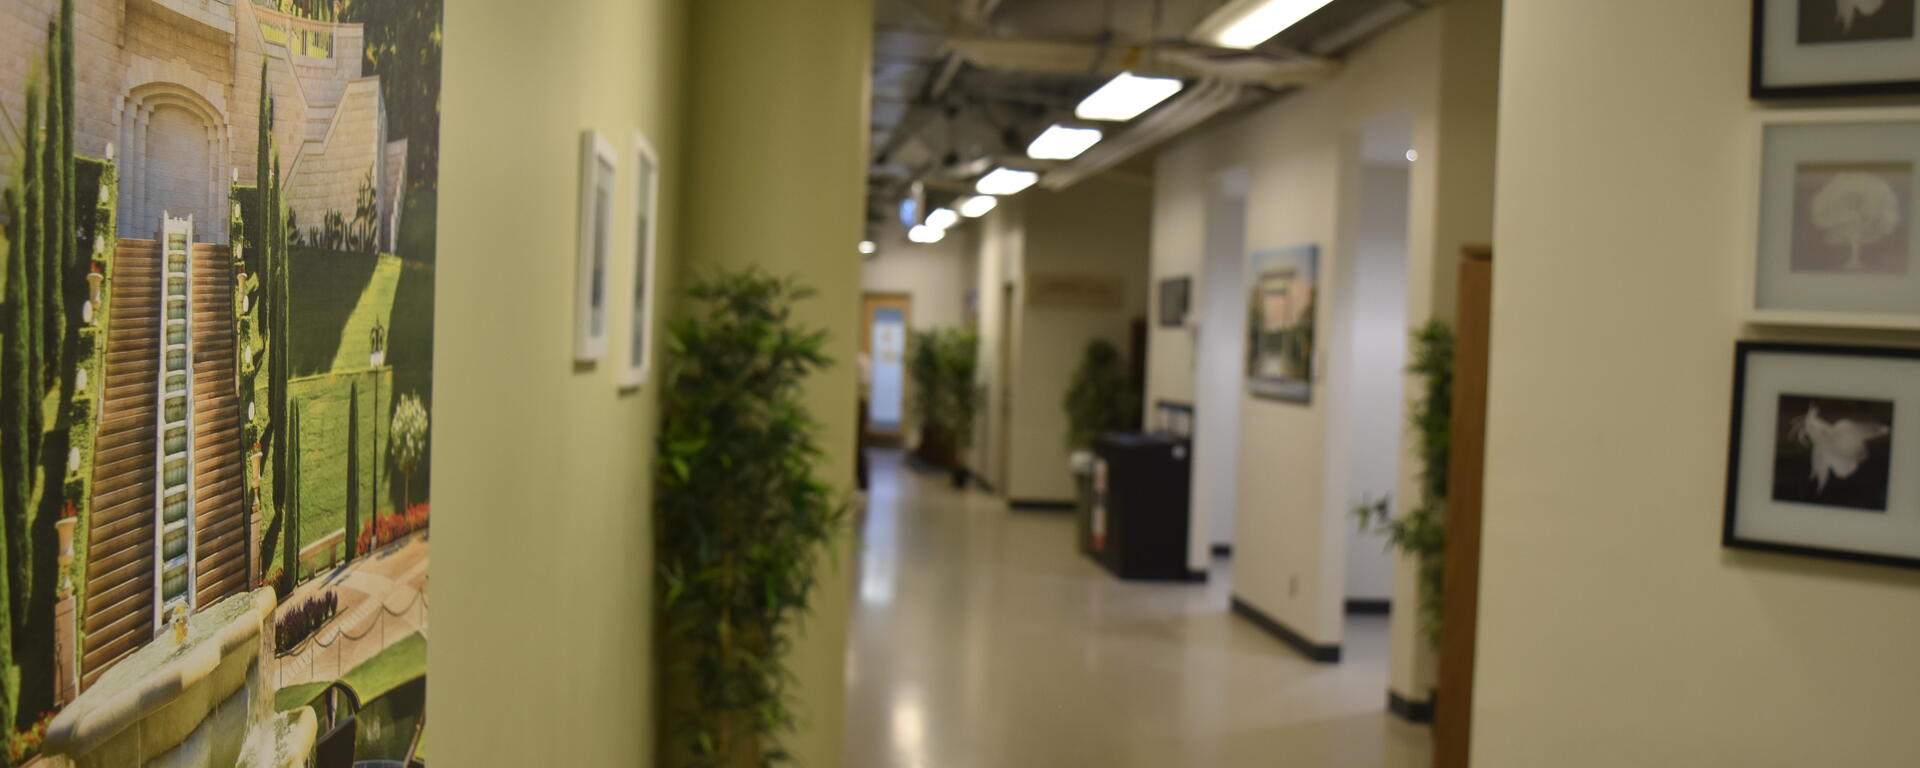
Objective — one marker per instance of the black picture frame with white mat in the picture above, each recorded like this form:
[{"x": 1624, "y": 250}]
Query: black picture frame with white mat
[
  {"x": 599, "y": 167},
  {"x": 1824, "y": 452},
  {"x": 1834, "y": 48},
  {"x": 1835, "y": 220}
]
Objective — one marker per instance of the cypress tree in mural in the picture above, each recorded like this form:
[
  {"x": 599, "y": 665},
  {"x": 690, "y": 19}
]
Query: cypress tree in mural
[
  {"x": 289, "y": 550},
  {"x": 12, "y": 382},
  {"x": 57, "y": 214},
  {"x": 21, "y": 416},
  {"x": 353, "y": 471}
]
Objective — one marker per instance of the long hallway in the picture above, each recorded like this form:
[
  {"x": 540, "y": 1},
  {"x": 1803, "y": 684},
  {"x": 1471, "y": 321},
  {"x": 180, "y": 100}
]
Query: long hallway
[{"x": 981, "y": 638}]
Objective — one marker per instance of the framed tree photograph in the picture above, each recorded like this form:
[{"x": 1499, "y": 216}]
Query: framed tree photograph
[
  {"x": 1833, "y": 226},
  {"x": 1282, "y": 297},
  {"x": 646, "y": 207},
  {"x": 597, "y": 170},
  {"x": 1824, "y": 444},
  {"x": 1817, "y": 48}
]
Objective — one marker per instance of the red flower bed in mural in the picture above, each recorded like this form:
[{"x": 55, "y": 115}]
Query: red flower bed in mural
[{"x": 391, "y": 528}]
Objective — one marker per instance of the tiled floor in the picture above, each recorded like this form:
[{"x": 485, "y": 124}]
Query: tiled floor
[{"x": 983, "y": 639}]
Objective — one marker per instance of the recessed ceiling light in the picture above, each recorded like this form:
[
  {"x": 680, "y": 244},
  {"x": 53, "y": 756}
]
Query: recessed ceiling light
[
  {"x": 868, "y": 247},
  {"x": 1245, "y": 24},
  {"x": 1005, "y": 181},
  {"x": 1059, "y": 142},
  {"x": 1126, "y": 96},
  {"x": 942, "y": 218},
  {"x": 1413, "y": 155},
  {"x": 926, "y": 234},
  {"x": 978, "y": 206}
]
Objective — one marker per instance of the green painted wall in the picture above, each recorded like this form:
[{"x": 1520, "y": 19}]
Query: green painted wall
[{"x": 542, "y": 638}]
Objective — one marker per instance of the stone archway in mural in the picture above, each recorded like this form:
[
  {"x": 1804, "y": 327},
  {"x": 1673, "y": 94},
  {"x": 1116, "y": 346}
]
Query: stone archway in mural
[{"x": 176, "y": 147}]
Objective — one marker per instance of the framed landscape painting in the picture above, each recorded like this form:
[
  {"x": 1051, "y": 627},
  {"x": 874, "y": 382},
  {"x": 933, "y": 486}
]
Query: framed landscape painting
[
  {"x": 216, "y": 494},
  {"x": 1813, "y": 48},
  {"x": 1282, "y": 297},
  {"x": 1835, "y": 241},
  {"x": 1824, "y": 458}
]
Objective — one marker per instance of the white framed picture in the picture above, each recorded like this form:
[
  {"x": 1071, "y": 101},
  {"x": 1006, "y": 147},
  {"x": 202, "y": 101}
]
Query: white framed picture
[
  {"x": 646, "y": 207},
  {"x": 598, "y": 167},
  {"x": 1834, "y": 241}
]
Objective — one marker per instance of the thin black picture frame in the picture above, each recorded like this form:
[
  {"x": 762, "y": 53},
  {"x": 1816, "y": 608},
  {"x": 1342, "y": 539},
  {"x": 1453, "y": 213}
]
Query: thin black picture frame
[
  {"x": 1176, "y": 299},
  {"x": 1729, "y": 537},
  {"x": 1758, "y": 90}
]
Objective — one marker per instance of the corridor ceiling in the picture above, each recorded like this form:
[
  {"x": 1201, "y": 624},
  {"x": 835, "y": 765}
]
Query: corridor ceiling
[{"x": 961, "y": 86}]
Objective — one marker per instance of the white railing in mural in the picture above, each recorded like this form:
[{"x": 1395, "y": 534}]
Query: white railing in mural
[{"x": 174, "y": 544}]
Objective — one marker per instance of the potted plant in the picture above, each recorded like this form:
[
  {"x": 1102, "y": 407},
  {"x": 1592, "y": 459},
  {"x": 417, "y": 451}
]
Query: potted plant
[
  {"x": 743, "y": 514},
  {"x": 1102, "y": 398},
  {"x": 944, "y": 364},
  {"x": 69, "y": 517}
]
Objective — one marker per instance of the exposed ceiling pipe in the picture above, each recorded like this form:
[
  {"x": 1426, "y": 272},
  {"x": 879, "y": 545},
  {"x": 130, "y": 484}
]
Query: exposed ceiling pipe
[
  {"x": 1183, "y": 60},
  {"x": 1195, "y": 106}
]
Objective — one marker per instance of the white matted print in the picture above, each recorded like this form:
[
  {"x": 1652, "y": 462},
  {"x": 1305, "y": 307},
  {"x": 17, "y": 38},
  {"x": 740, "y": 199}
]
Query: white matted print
[
  {"x": 1835, "y": 236},
  {"x": 598, "y": 167},
  {"x": 646, "y": 206},
  {"x": 1824, "y": 443},
  {"x": 1835, "y": 48}
]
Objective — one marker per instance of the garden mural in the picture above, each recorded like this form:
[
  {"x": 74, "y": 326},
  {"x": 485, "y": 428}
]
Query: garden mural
[{"x": 217, "y": 249}]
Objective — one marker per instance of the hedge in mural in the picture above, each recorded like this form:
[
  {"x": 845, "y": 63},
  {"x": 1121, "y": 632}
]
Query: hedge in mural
[{"x": 216, "y": 304}]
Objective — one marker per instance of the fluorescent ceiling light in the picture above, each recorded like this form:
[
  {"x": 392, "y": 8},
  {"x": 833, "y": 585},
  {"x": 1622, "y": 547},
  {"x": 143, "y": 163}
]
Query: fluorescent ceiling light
[
  {"x": 1059, "y": 142},
  {"x": 978, "y": 206},
  {"x": 868, "y": 247},
  {"x": 1248, "y": 23},
  {"x": 1126, "y": 96},
  {"x": 942, "y": 218},
  {"x": 1005, "y": 181},
  {"x": 926, "y": 234}
]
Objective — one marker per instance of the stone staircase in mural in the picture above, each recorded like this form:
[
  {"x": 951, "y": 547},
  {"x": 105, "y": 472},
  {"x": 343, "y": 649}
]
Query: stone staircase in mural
[{"x": 121, "y": 576}]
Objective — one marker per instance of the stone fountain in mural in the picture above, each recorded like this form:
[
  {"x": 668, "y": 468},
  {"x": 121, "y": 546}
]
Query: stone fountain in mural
[{"x": 195, "y": 697}]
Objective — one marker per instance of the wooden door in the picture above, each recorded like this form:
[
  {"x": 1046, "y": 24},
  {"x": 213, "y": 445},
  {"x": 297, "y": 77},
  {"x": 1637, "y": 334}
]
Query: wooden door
[
  {"x": 1460, "y": 598},
  {"x": 886, "y": 320}
]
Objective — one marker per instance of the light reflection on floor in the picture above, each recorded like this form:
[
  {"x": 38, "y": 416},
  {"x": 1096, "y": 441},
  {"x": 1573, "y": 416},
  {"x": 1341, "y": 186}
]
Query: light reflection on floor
[{"x": 981, "y": 638}]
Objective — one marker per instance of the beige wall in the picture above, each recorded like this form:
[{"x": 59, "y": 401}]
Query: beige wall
[
  {"x": 1001, "y": 239},
  {"x": 937, "y": 276},
  {"x": 543, "y": 564},
  {"x": 1614, "y": 630},
  {"x": 1097, "y": 228},
  {"x": 1302, "y": 157}
]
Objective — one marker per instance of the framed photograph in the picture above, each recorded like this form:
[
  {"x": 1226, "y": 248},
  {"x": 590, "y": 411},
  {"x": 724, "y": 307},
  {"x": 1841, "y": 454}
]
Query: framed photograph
[
  {"x": 1175, "y": 297},
  {"x": 1825, "y": 442},
  {"x": 597, "y": 170},
  {"x": 1281, "y": 300},
  {"x": 1813, "y": 48},
  {"x": 646, "y": 207},
  {"x": 1834, "y": 236}
]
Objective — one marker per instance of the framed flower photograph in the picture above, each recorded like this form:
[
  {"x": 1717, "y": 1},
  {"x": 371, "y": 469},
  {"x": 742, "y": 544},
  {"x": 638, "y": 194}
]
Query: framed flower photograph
[
  {"x": 1824, "y": 451},
  {"x": 646, "y": 207},
  {"x": 1816, "y": 48},
  {"x": 598, "y": 166},
  {"x": 1835, "y": 242}
]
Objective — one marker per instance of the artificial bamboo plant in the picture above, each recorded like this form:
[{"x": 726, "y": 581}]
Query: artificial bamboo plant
[
  {"x": 1420, "y": 532},
  {"x": 743, "y": 514}
]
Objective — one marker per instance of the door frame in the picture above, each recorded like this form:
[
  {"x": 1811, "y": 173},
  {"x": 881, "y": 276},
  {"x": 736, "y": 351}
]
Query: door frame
[
  {"x": 871, "y": 302},
  {"x": 1466, "y": 473}
]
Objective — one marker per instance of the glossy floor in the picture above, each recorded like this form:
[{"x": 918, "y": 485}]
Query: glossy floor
[{"x": 983, "y": 639}]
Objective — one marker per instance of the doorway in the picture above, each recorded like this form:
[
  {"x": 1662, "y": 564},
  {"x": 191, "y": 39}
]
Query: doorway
[
  {"x": 1369, "y": 356},
  {"x": 885, "y": 319},
  {"x": 1218, "y": 369}
]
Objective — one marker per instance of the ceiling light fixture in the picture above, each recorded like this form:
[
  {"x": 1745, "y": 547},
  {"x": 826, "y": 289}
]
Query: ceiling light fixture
[
  {"x": 1005, "y": 181},
  {"x": 868, "y": 247},
  {"x": 942, "y": 218},
  {"x": 1245, "y": 24},
  {"x": 1126, "y": 96},
  {"x": 978, "y": 206},
  {"x": 1059, "y": 142},
  {"x": 925, "y": 234},
  {"x": 1413, "y": 155}
]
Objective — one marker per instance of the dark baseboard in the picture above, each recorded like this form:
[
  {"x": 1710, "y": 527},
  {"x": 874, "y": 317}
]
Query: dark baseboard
[
  {"x": 982, "y": 483},
  {"x": 1197, "y": 576},
  {"x": 1325, "y": 654},
  {"x": 1369, "y": 607},
  {"x": 1223, "y": 550},
  {"x": 1420, "y": 712},
  {"x": 1042, "y": 505}
]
